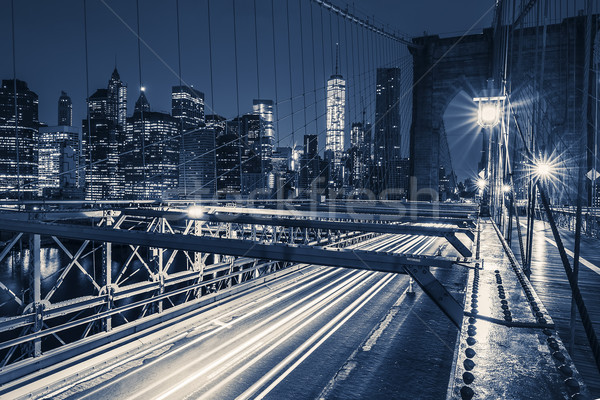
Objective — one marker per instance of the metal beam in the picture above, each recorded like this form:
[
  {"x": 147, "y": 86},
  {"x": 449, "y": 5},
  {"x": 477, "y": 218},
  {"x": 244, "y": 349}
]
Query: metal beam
[
  {"x": 303, "y": 223},
  {"x": 438, "y": 293},
  {"x": 358, "y": 259}
]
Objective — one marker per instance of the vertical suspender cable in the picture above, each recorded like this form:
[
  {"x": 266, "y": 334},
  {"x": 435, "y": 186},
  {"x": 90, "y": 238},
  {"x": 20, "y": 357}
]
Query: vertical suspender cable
[
  {"x": 302, "y": 62},
  {"x": 183, "y": 163},
  {"x": 137, "y": 9},
  {"x": 346, "y": 52},
  {"x": 212, "y": 89},
  {"x": 87, "y": 97},
  {"x": 260, "y": 119},
  {"x": 12, "y": 10},
  {"x": 237, "y": 94},
  {"x": 275, "y": 68},
  {"x": 287, "y": 3},
  {"x": 354, "y": 77},
  {"x": 312, "y": 37}
]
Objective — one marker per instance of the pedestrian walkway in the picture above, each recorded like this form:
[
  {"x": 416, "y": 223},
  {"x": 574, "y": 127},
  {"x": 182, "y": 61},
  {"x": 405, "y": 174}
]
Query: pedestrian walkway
[
  {"x": 549, "y": 279},
  {"x": 508, "y": 347}
]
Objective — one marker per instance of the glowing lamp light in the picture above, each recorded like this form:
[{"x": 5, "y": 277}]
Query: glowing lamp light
[
  {"x": 506, "y": 188},
  {"x": 489, "y": 110},
  {"x": 195, "y": 212},
  {"x": 481, "y": 183},
  {"x": 143, "y": 88},
  {"x": 489, "y": 114},
  {"x": 543, "y": 170},
  {"x": 546, "y": 168}
]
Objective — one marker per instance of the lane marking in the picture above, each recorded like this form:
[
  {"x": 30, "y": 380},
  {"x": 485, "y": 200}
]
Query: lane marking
[
  {"x": 221, "y": 323},
  {"x": 307, "y": 309},
  {"x": 383, "y": 281},
  {"x": 306, "y": 282},
  {"x": 314, "y": 347},
  {"x": 284, "y": 311}
]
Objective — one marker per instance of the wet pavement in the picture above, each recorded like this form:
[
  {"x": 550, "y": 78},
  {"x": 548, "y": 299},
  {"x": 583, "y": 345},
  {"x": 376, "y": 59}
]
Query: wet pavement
[
  {"x": 508, "y": 347},
  {"x": 549, "y": 279}
]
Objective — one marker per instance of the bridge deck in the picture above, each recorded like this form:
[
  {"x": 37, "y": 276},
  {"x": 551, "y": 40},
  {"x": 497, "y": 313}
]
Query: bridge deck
[
  {"x": 550, "y": 282},
  {"x": 499, "y": 357}
]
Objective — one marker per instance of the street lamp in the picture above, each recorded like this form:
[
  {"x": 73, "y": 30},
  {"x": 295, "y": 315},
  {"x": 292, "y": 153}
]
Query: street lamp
[
  {"x": 481, "y": 183},
  {"x": 506, "y": 188},
  {"x": 545, "y": 169},
  {"x": 489, "y": 110}
]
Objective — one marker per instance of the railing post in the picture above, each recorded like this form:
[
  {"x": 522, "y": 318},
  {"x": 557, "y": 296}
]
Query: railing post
[
  {"x": 37, "y": 294},
  {"x": 161, "y": 278},
  {"x": 107, "y": 274}
]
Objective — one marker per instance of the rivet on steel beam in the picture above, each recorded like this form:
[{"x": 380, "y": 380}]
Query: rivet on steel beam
[
  {"x": 559, "y": 356},
  {"x": 469, "y": 364},
  {"x": 468, "y": 378},
  {"x": 572, "y": 384},
  {"x": 565, "y": 370},
  {"x": 466, "y": 393}
]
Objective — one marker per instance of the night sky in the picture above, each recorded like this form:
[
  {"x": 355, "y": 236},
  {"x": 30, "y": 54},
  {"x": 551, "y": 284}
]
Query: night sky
[{"x": 50, "y": 55}]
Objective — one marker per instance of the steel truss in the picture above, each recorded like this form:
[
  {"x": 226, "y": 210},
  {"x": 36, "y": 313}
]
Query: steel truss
[{"x": 159, "y": 259}]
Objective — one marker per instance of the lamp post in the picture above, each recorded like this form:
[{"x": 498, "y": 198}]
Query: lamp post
[{"x": 490, "y": 113}]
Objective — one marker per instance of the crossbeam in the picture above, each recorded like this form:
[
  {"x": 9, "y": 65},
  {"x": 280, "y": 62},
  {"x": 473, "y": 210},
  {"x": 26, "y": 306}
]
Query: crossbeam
[
  {"x": 357, "y": 259},
  {"x": 241, "y": 218}
]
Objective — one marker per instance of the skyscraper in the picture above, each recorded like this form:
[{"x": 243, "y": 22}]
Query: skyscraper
[
  {"x": 65, "y": 110},
  {"x": 197, "y": 176},
  {"x": 228, "y": 152},
  {"x": 264, "y": 108},
  {"x": 358, "y": 155},
  {"x": 150, "y": 157},
  {"x": 312, "y": 172},
  {"x": 104, "y": 138},
  {"x": 117, "y": 100},
  {"x": 59, "y": 162},
  {"x": 18, "y": 141},
  {"x": 187, "y": 105},
  {"x": 387, "y": 138},
  {"x": 196, "y": 156},
  {"x": 247, "y": 129},
  {"x": 336, "y": 116}
]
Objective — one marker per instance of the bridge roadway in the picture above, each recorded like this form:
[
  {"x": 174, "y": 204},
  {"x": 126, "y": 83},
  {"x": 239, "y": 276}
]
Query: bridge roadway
[{"x": 317, "y": 333}]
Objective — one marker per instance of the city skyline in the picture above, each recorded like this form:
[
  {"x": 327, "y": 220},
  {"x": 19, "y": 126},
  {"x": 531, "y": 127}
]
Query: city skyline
[{"x": 112, "y": 42}]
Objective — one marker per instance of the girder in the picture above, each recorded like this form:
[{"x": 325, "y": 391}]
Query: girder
[{"x": 360, "y": 259}]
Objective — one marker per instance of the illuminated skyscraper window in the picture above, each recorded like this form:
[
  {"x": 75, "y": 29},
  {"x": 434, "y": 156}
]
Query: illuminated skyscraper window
[
  {"x": 65, "y": 110},
  {"x": 18, "y": 178}
]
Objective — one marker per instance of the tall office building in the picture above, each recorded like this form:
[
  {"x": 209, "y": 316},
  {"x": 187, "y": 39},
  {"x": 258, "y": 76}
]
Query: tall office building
[
  {"x": 336, "y": 116},
  {"x": 187, "y": 105},
  {"x": 18, "y": 170},
  {"x": 264, "y": 109},
  {"x": 149, "y": 163},
  {"x": 197, "y": 153},
  {"x": 387, "y": 138},
  {"x": 358, "y": 155},
  {"x": 253, "y": 167},
  {"x": 197, "y": 175},
  {"x": 228, "y": 153},
  {"x": 60, "y": 162},
  {"x": 117, "y": 100},
  {"x": 104, "y": 137},
  {"x": 312, "y": 175},
  {"x": 65, "y": 110}
]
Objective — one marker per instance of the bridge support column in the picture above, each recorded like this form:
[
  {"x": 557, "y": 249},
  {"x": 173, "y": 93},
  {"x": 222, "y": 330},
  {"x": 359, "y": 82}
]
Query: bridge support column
[{"x": 37, "y": 293}]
